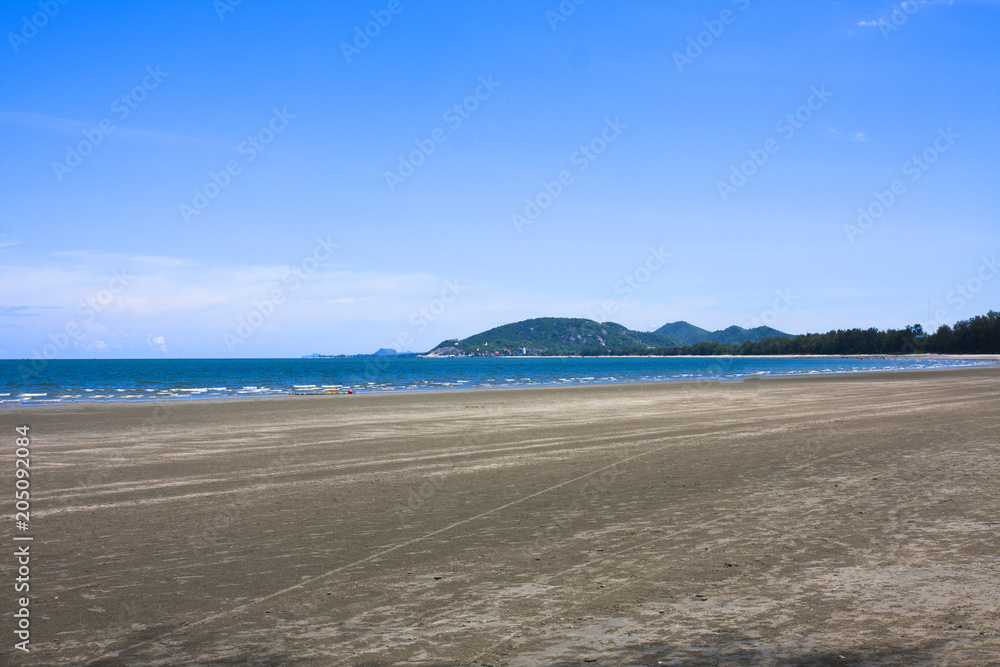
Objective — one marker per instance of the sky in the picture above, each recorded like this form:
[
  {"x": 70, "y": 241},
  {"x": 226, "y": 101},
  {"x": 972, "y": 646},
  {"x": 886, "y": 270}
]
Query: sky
[{"x": 256, "y": 178}]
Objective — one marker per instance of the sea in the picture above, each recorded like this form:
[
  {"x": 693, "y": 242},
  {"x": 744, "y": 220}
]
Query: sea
[{"x": 42, "y": 382}]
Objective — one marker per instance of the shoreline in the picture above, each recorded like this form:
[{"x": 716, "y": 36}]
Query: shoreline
[
  {"x": 682, "y": 382},
  {"x": 927, "y": 355}
]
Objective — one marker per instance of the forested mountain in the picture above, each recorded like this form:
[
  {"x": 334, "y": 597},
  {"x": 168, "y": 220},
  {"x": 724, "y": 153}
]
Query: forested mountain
[
  {"x": 576, "y": 336},
  {"x": 564, "y": 335},
  {"x": 552, "y": 336},
  {"x": 977, "y": 335},
  {"x": 689, "y": 334}
]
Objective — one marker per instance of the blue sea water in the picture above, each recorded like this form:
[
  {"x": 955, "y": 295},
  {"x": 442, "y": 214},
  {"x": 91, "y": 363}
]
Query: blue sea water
[{"x": 59, "y": 381}]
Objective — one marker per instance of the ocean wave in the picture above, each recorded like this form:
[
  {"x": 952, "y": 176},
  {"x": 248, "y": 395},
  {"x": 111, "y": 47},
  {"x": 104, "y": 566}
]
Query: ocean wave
[{"x": 415, "y": 375}]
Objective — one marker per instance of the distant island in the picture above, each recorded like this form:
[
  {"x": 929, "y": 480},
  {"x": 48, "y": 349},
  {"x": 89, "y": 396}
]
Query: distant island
[
  {"x": 550, "y": 336},
  {"x": 381, "y": 352}
]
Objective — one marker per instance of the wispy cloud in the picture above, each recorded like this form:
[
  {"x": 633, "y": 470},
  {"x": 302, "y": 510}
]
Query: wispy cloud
[
  {"x": 58, "y": 125},
  {"x": 42, "y": 122},
  {"x": 158, "y": 342},
  {"x": 98, "y": 304},
  {"x": 17, "y": 311},
  {"x": 176, "y": 287},
  {"x": 150, "y": 262},
  {"x": 859, "y": 136},
  {"x": 911, "y": 6}
]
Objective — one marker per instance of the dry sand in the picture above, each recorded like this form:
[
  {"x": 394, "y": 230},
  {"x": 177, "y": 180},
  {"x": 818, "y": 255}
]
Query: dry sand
[{"x": 832, "y": 521}]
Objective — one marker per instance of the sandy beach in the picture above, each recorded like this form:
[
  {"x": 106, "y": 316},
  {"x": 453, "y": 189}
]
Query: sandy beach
[{"x": 837, "y": 520}]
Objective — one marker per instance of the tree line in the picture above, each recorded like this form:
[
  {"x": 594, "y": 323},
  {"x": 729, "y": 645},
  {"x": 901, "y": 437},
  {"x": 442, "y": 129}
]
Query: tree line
[{"x": 976, "y": 335}]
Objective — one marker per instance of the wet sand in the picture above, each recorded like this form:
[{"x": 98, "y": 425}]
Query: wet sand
[{"x": 846, "y": 520}]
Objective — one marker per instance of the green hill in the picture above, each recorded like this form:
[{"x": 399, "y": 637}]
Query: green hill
[
  {"x": 552, "y": 336},
  {"x": 736, "y": 335},
  {"x": 574, "y": 336},
  {"x": 689, "y": 334}
]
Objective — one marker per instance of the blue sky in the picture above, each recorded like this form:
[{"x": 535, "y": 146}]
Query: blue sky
[{"x": 217, "y": 179}]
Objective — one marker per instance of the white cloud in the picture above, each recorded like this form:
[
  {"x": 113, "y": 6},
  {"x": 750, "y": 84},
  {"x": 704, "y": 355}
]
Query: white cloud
[
  {"x": 860, "y": 135},
  {"x": 145, "y": 285},
  {"x": 157, "y": 341},
  {"x": 910, "y": 7},
  {"x": 104, "y": 297}
]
